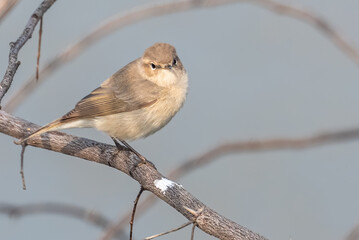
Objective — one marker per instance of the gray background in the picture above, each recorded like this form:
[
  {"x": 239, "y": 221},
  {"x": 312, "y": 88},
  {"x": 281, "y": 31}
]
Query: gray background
[{"x": 253, "y": 75}]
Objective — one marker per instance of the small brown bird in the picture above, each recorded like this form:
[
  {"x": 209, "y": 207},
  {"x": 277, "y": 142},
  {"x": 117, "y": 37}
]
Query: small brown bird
[{"x": 135, "y": 102}]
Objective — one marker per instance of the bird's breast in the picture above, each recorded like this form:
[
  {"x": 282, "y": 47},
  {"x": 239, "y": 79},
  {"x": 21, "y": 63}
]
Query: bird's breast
[{"x": 145, "y": 121}]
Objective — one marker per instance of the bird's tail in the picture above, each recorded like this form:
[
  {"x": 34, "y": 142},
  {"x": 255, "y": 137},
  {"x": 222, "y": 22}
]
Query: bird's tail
[{"x": 55, "y": 125}]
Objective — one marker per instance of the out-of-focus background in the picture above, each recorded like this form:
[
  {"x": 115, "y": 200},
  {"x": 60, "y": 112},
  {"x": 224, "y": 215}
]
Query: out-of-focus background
[{"x": 253, "y": 75}]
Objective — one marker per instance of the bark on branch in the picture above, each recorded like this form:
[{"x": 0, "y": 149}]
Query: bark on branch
[
  {"x": 253, "y": 146},
  {"x": 173, "y": 194}
]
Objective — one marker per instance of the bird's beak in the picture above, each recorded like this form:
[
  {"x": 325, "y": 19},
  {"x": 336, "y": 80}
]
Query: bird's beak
[{"x": 172, "y": 70}]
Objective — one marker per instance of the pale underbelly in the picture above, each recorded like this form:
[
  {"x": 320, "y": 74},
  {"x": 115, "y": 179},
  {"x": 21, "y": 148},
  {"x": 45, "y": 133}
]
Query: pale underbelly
[{"x": 136, "y": 124}]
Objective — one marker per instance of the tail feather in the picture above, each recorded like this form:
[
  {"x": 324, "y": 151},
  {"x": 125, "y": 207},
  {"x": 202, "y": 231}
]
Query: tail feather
[{"x": 55, "y": 125}]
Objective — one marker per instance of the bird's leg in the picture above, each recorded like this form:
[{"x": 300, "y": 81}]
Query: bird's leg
[
  {"x": 128, "y": 146},
  {"x": 134, "y": 151},
  {"x": 118, "y": 145}
]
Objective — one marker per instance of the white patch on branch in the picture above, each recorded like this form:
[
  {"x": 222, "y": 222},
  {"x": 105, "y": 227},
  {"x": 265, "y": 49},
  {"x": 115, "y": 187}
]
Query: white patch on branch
[{"x": 163, "y": 184}]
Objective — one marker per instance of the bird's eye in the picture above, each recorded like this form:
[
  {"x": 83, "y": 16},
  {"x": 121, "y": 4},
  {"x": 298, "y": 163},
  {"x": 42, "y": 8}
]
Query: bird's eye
[
  {"x": 174, "y": 63},
  {"x": 153, "y": 66}
]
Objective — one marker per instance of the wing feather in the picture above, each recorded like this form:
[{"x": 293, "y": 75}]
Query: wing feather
[{"x": 120, "y": 93}]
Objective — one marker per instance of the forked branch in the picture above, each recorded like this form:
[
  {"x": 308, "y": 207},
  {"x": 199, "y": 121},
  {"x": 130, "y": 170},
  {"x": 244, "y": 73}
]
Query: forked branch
[
  {"x": 148, "y": 177},
  {"x": 16, "y": 46}
]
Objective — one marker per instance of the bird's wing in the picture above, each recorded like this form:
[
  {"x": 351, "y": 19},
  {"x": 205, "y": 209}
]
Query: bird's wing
[{"x": 111, "y": 99}]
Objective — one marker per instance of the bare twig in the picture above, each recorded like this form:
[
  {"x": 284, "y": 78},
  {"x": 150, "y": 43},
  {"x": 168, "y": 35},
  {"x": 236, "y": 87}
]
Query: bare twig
[
  {"x": 239, "y": 147},
  {"x": 39, "y": 50},
  {"x": 6, "y": 6},
  {"x": 193, "y": 228},
  {"x": 128, "y": 162},
  {"x": 15, "y": 47},
  {"x": 57, "y": 208},
  {"x": 134, "y": 211},
  {"x": 138, "y": 14},
  {"x": 22, "y": 166},
  {"x": 123, "y": 221},
  {"x": 170, "y": 231},
  {"x": 196, "y": 215}
]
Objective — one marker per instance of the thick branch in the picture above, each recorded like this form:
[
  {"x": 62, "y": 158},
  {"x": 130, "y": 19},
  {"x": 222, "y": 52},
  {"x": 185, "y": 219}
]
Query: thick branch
[
  {"x": 16, "y": 46},
  {"x": 127, "y": 162},
  {"x": 138, "y": 14},
  {"x": 239, "y": 147}
]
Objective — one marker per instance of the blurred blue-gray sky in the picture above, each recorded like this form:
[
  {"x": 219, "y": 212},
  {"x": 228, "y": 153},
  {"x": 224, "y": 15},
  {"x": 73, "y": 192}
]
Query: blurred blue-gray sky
[{"x": 253, "y": 74}]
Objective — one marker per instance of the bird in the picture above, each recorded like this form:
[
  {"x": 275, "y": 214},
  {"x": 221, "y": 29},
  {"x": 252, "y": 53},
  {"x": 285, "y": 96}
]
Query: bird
[{"x": 135, "y": 102}]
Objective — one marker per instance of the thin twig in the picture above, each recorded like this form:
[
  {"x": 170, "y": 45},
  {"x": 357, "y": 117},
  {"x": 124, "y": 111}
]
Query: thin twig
[
  {"x": 170, "y": 231},
  {"x": 39, "y": 50},
  {"x": 15, "y": 47},
  {"x": 23, "y": 147},
  {"x": 138, "y": 14},
  {"x": 123, "y": 221},
  {"x": 134, "y": 211},
  {"x": 196, "y": 214},
  {"x": 192, "y": 232}
]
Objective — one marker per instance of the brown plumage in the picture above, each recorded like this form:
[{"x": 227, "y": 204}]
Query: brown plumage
[{"x": 135, "y": 102}]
